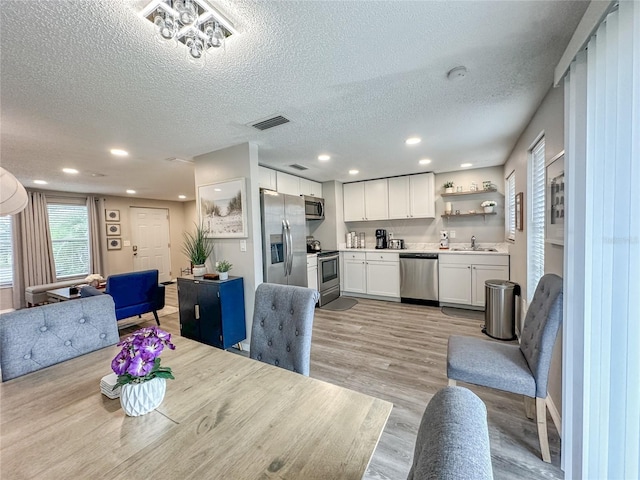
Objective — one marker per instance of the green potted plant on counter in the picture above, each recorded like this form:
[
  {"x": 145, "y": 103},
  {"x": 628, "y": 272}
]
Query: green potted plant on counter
[
  {"x": 198, "y": 248},
  {"x": 223, "y": 267}
]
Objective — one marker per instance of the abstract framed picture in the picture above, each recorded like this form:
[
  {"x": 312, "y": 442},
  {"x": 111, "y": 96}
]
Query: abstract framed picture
[
  {"x": 114, "y": 244},
  {"x": 222, "y": 208},
  {"x": 555, "y": 201},
  {"x": 112, "y": 215},
  {"x": 113, "y": 229}
]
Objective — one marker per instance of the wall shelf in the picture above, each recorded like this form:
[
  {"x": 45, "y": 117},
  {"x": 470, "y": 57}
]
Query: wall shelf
[
  {"x": 458, "y": 194},
  {"x": 481, "y": 214}
]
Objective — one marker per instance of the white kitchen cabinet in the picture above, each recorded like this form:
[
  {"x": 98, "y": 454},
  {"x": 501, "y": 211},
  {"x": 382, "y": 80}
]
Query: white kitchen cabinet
[
  {"x": 366, "y": 200},
  {"x": 310, "y": 188},
  {"x": 354, "y": 272},
  {"x": 462, "y": 276},
  {"x": 312, "y": 272},
  {"x": 412, "y": 196},
  {"x": 267, "y": 178},
  {"x": 288, "y": 184},
  {"x": 371, "y": 273}
]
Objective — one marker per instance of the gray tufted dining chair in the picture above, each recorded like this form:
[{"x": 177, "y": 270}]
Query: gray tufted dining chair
[
  {"x": 521, "y": 369},
  {"x": 282, "y": 325}
]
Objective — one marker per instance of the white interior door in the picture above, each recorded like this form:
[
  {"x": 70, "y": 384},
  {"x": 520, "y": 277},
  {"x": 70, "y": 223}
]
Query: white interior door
[{"x": 150, "y": 241}]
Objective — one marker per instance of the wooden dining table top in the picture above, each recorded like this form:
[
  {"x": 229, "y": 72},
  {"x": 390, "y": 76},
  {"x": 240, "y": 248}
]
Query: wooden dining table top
[{"x": 224, "y": 416}]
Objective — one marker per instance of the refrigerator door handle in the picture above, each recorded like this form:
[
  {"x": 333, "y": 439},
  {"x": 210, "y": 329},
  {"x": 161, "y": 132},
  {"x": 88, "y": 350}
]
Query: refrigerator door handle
[
  {"x": 290, "y": 249},
  {"x": 285, "y": 238}
]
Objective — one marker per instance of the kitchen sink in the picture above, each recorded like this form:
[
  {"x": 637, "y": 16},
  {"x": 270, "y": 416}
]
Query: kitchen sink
[{"x": 469, "y": 249}]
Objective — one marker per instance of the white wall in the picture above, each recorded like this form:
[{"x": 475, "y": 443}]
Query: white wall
[
  {"x": 227, "y": 164},
  {"x": 549, "y": 118},
  {"x": 331, "y": 231}
]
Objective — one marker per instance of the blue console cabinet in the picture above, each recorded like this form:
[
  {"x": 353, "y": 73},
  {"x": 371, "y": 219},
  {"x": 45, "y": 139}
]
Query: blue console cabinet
[{"x": 212, "y": 311}]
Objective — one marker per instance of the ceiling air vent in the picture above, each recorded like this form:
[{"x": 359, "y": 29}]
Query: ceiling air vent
[
  {"x": 297, "y": 166},
  {"x": 270, "y": 122}
]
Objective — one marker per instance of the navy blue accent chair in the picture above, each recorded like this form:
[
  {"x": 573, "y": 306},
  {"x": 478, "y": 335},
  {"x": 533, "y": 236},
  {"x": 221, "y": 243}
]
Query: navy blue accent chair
[{"x": 136, "y": 293}]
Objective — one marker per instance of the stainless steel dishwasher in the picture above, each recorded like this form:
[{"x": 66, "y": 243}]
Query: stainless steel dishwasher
[{"x": 419, "y": 278}]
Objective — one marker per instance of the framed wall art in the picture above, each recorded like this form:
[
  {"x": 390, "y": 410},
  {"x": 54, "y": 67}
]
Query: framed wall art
[
  {"x": 113, "y": 229},
  {"x": 112, "y": 215},
  {"x": 555, "y": 201},
  {"x": 114, "y": 244},
  {"x": 519, "y": 214},
  {"x": 222, "y": 208}
]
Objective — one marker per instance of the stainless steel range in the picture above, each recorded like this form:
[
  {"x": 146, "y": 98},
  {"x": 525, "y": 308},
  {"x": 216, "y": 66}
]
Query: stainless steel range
[{"x": 328, "y": 276}]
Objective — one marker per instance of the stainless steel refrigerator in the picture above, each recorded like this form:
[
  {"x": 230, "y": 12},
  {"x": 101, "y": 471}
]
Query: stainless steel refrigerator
[{"x": 284, "y": 247}]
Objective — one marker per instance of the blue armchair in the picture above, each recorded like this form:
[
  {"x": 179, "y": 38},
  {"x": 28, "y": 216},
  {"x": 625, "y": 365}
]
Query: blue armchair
[{"x": 136, "y": 293}]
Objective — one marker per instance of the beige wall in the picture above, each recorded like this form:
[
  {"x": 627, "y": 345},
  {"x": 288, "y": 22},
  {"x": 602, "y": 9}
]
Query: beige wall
[{"x": 549, "y": 118}]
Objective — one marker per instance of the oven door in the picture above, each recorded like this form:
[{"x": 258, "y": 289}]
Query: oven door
[{"x": 328, "y": 272}]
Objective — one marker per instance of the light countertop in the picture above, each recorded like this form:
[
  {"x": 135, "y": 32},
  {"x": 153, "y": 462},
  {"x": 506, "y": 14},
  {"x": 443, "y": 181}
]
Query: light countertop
[{"x": 502, "y": 249}]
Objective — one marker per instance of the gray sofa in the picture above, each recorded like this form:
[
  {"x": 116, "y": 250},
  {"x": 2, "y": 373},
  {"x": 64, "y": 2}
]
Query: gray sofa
[
  {"x": 453, "y": 438},
  {"x": 35, "y": 338}
]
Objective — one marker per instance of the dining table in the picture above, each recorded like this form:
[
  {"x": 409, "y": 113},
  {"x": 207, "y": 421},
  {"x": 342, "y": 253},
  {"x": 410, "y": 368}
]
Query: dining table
[{"x": 223, "y": 416}]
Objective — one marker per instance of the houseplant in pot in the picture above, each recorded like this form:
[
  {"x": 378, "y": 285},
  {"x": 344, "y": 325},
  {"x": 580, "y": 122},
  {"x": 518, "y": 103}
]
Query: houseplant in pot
[
  {"x": 142, "y": 378},
  {"x": 223, "y": 267},
  {"x": 197, "y": 247},
  {"x": 448, "y": 187},
  {"x": 488, "y": 206}
]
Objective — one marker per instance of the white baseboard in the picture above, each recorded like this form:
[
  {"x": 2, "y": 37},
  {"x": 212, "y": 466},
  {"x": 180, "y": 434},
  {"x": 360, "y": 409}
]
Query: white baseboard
[{"x": 555, "y": 415}]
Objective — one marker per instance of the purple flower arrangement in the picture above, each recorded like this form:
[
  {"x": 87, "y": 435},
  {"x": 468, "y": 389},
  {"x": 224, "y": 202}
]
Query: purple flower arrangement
[{"x": 139, "y": 359}]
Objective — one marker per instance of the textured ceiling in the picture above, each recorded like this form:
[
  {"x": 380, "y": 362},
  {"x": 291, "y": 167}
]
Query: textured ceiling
[{"x": 79, "y": 77}]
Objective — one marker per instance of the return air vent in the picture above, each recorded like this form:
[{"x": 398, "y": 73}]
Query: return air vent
[
  {"x": 270, "y": 122},
  {"x": 297, "y": 166}
]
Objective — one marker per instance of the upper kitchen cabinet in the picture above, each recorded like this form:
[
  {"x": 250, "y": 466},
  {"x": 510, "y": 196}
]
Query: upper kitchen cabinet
[
  {"x": 267, "y": 178},
  {"x": 366, "y": 200},
  {"x": 412, "y": 196},
  {"x": 292, "y": 185},
  {"x": 310, "y": 188}
]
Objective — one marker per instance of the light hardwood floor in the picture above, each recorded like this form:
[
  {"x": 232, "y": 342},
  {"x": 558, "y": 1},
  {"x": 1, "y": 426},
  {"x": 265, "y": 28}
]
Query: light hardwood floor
[{"x": 397, "y": 352}]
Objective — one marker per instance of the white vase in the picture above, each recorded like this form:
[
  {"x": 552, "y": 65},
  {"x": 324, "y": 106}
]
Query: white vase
[
  {"x": 448, "y": 190},
  {"x": 488, "y": 209},
  {"x": 224, "y": 275},
  {"x": 199, "y": 270},
  {"x": 140, "y": 398}
]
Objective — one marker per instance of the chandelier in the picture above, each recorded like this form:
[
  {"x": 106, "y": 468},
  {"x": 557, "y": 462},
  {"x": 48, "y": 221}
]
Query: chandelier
[{"x": 191, "y": 22}]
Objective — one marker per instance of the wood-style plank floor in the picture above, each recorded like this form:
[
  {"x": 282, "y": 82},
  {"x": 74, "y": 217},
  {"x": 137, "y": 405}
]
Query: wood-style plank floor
[{"x": 397, "y": 352}]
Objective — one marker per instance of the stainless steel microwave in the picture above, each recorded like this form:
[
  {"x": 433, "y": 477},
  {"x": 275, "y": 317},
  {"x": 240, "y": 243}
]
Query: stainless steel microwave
[{"x": 313, "y": 208}]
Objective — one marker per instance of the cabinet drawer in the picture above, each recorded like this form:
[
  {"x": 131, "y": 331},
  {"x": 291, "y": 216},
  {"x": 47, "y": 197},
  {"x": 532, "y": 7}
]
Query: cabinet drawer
[
  {"x": 473, "y": 259},
  {"x": 354, "y": 255},
  {"x": 312, "y": 261},
  {"x": 383, "y": 256}
]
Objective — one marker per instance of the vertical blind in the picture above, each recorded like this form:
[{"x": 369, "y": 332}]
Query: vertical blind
[
  {"x": 69, "y": 228},
  {"x": 6, "y": 255},
  {"x": 510, "y": 207},
  {"x": 535, "y": 232}
]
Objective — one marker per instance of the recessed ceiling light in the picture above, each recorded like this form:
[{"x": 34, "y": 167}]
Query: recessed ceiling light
[
  {"x": 413, "y": 140},
  {"x": 457, "y": 73},
  {"x": 354, "y": 172},
  {"x": 424, "y": 161},
  {"x": 466, "y": 165},
  {"x": 217, "y": 189},
  {"x": 324, "y": 158},
  {"x": 72, "y": 171},
  {"x": 119, "y": 153},
  {"x": 182, "y": 197},
  {"x": 131, "y": 192},
  {"x": 40, "y": 182}
]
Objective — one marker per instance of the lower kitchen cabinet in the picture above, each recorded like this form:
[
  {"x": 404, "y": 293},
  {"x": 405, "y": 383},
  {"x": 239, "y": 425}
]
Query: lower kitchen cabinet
[
  {"x": 312, "y": 272},
  {"x": 212, "y": 311},
  {"x": 462, "y": 277},
  {"x": 371, "y": 273}
]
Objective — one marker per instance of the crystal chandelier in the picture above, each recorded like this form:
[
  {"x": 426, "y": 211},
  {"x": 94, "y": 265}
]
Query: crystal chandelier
[{"x": 191, "y": 22}]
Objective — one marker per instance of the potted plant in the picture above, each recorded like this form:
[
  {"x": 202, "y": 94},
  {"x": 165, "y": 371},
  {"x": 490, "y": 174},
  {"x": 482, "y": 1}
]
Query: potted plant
[
  {"x": 198, "y": 248},
  {"x": 223, "y": 267},
  {"x": 142, "y": 378},
  {"x": 488, "y": 206},
  {"x": 448, "y": 187}
]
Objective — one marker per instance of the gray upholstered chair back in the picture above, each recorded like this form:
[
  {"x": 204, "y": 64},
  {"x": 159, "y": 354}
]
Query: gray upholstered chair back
[
  {"x": 282, "y": 326},
  {"x": 540, "y": 329},
  {"x": 35, "y": 338},
  {"x": 453, "y": 438}
]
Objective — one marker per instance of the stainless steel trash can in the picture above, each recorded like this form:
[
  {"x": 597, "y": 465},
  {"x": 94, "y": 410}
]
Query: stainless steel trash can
[{"x": 500, "y": 308}]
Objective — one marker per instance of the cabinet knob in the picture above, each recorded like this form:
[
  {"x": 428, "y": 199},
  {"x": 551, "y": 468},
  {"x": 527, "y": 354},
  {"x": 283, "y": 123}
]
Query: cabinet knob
[{"x": 469, "y": 266}]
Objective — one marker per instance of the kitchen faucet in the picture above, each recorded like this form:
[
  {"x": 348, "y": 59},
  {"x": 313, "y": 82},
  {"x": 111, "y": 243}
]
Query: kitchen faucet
[{"x": 473, "y": 242}]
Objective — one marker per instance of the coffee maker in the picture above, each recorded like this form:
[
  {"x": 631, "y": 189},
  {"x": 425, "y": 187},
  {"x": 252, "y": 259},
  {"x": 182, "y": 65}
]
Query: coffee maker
[{"x": 381, "y": 238}]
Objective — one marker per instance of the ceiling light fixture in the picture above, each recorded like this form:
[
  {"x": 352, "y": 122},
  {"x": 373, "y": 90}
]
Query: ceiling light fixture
[
  {"x": 71, "y": 171},
  {"x": 457, "y": 73},
  {"x": 194, "y": 23},
  {"x": 182, "y": 197},
  {"x": 354, "y": 172},
  {"x": 131, "y": 192},
  {"x": 324, "y": 158},
  {"x": 119, "y": 153},
  {"x": 466, "y": 165},
  {"x": 424, "y": 161},
  {"x": 413, "y": 140},
  {"x": 40, "y": 182}
]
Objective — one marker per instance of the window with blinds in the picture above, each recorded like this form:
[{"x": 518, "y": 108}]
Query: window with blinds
[
  {"x": 6, "y": 252},
  {"x": 535, "y": 215},
  {"x": 69, "y": 226},
  {"x": 510, "y": 207}
]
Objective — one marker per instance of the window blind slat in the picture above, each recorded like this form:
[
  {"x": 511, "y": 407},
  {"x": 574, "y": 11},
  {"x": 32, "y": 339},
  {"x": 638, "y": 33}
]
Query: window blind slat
[
  {"x": 69, "y": 227},
  {"x": 535, "y": 235}
]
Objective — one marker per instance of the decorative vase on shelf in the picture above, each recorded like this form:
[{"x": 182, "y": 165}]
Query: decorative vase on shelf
[
  {"x": 448, "y": 190},
  {"x": 224, "y": 275},
  {"x": 199, "y": 270},
  {"x": 488, "y": 209},
  {"x": 141, "y": 398}
]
